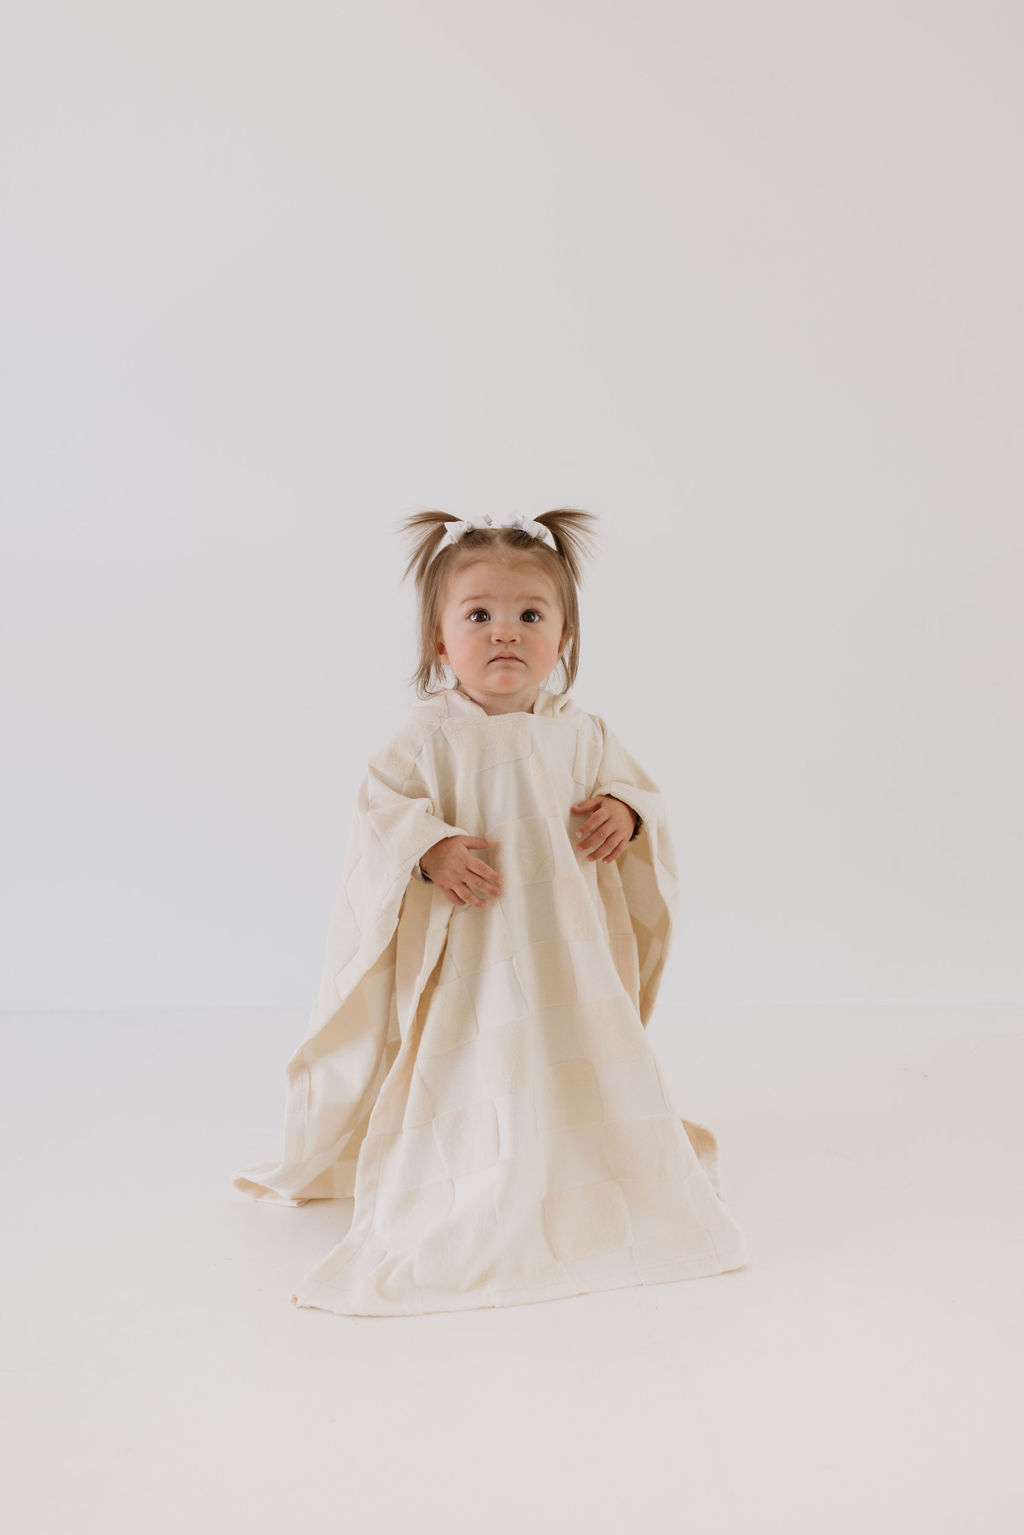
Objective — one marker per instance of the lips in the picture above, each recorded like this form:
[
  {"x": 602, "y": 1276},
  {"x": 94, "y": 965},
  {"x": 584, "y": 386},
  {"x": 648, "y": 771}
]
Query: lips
[{"x": 504, "y": 658}]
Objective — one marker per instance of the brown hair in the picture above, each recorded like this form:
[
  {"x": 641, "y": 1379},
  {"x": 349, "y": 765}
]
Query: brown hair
[{"x": 434, "y": 565}]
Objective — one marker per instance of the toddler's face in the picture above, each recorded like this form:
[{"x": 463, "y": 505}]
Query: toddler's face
[{"x": 490, "y": 609}]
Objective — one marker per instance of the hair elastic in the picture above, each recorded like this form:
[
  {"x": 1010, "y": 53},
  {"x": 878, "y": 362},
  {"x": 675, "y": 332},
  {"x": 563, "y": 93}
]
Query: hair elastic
[{"x": 453, "y": 531}]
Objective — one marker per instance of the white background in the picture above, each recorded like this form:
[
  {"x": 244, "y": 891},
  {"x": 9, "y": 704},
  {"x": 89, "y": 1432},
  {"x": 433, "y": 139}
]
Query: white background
[{"x": 741, "y": 279}]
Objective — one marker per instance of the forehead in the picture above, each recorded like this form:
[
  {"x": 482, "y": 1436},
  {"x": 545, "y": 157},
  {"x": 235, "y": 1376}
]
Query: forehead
[{"x": 490, "y": 580}]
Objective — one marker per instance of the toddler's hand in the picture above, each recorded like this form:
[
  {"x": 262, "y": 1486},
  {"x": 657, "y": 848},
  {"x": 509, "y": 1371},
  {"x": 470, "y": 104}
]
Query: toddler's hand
[
  {"x": 453, "y": 869},
  {"x": 608, "y": 830}
]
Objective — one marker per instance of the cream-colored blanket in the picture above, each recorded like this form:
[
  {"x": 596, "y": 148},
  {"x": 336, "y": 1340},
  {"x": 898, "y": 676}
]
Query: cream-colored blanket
[{"x": 480, "y": 1078}]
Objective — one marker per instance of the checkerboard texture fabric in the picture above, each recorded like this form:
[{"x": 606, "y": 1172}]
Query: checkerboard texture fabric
[{"x": 479, "y": 1081}]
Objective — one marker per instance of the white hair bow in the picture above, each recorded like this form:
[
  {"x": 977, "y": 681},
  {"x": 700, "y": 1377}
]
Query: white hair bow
[{"x": 453, "y": 531}]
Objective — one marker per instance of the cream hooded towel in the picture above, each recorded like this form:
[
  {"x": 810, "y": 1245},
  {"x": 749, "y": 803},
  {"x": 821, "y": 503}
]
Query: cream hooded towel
[{"x": 480, "y": 1078}]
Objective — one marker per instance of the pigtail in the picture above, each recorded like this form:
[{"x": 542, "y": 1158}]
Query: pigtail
[
  {"x": 426, "y": 533},
  {"x": 572, "y": 529}
]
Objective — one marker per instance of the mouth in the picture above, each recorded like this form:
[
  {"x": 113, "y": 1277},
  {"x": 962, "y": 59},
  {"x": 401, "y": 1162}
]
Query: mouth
[{"x": 504, "y": 658}]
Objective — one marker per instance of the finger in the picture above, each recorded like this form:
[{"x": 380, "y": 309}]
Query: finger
[
  {"x": 616, "y": 850},
  {"x": 471, "y": 898},
  {"x": 586, "y": 834},
  {"x": 483, "y": 874},
  {"x": 602, "y": 847}
]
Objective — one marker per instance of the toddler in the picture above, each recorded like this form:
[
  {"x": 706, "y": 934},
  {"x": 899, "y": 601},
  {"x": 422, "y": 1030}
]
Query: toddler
[{"x": 476, "y": 1075}]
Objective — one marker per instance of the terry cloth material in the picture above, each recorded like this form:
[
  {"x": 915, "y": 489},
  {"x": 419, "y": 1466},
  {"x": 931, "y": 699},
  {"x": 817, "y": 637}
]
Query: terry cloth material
[{"x": 478, "y": 1080}]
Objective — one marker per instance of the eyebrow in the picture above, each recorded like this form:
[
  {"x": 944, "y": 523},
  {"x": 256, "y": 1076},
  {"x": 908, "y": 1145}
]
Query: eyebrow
[{"x": 489, "y": 597}]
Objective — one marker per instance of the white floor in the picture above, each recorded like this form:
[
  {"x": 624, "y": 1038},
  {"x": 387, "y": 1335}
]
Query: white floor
[{"x": 862, "y": 1373}]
